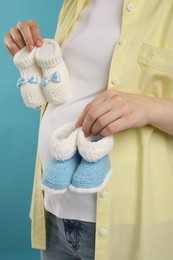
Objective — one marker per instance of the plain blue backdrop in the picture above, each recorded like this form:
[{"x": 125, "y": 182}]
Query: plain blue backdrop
[{"x": 18, "y": 133}]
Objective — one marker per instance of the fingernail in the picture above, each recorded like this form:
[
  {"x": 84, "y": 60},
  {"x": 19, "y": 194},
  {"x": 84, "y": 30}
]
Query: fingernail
[
  {"x": 31, "y": 47},
  {"x": 38, "y": 43},
  {"x": 86, "y": 134}
]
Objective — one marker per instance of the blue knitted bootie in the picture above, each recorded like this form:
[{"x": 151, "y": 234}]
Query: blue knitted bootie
[
  {"x": 65, "y": 159},
  {"x": 94, "y": 169}
]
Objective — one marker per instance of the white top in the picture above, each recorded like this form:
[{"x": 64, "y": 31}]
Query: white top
[{"x": 87, "y": 53}]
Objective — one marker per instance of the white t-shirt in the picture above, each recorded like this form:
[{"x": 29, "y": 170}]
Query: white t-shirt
[{"x": 87, "y": 53}]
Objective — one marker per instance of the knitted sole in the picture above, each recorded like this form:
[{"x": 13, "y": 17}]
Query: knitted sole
[
  {"x": 52, "y": 191},
  {"x": 91, "y": 190}
]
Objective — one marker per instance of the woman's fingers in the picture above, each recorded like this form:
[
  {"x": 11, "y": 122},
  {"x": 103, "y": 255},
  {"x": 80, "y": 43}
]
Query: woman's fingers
[
  {"x": 17, "y": 37},
  {"x": 11, "y": 46},
  {"x": 114, "y": 111},
  {"x": 25, "y": 33},
  {"x": 35, "y": 31},
  {"x": 98, "y": 100}
]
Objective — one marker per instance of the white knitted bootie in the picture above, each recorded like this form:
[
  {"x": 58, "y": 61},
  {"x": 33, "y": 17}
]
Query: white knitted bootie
[
  {"x": 55, "y": 80},
  {"x": 30, "y": 81}
]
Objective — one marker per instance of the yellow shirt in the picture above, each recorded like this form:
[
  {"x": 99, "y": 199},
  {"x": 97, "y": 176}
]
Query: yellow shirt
[{"x": 135, "y": 210}]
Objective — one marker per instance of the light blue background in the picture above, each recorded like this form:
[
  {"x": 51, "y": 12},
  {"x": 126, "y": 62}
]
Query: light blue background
[{"x": 18, "y": 133}]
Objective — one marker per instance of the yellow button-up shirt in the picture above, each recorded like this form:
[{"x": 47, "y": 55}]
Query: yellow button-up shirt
[{"x": 135, "y": 210}]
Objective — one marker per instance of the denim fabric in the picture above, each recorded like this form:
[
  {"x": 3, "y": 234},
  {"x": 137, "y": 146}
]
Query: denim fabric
[{"x": 68, "y": 239}]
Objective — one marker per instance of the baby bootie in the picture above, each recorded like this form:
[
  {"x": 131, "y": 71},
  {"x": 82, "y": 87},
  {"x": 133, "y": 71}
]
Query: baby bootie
[
  {"x": 30, "y": 81},
  {"x": 94, "y": 170},
  {"x": 58, "y": 173},
  {"x": 55, "y": 80}
]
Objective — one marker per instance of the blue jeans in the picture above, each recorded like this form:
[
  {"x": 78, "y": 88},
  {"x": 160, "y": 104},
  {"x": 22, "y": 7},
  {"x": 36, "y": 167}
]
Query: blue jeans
[{"x": 68, "y": 239}]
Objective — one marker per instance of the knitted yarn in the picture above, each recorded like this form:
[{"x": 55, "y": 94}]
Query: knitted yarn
[
  {"x": 57, "y": 175},
  {"x": 55, "y": 80},
  {"x": 30, "y": 81}
]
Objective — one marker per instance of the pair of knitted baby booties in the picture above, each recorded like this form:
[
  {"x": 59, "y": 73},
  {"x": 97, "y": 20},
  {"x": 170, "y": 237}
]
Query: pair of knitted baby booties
[
  {"x": 44, "y": 75},
  {"x": 79, "y": 163}
]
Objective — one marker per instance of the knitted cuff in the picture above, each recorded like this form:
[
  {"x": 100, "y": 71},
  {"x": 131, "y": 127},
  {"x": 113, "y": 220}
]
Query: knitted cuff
[
  {"x": 63, "y": 144},
  {"x": 93, "y": 148},
  {"x": 56, "y": 77},
  {"x": 29, "y": 82}
]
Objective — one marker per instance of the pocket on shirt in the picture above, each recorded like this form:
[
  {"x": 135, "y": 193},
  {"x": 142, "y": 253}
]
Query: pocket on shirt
[{"x": 154, "y": 72}]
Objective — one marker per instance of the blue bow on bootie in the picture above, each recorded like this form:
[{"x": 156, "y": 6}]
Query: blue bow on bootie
[
  {"x": 55, "y": 78},
  {"x": 21, "y": 81}
]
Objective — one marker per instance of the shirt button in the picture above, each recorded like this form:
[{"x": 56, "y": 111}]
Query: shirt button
[
  {"x": 130, "y": 7},
  {"x": 102, "y": 231},
  {"x": 121, "y": 40},
  {"x": 115, "y": 81},
  {"x": 103, "y": 194}
]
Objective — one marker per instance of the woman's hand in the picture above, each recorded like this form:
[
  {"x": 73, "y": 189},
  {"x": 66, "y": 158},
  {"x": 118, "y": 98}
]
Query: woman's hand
[
  {"x": 113, "y": 111},
  {"x": 25, "y": 33}
]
